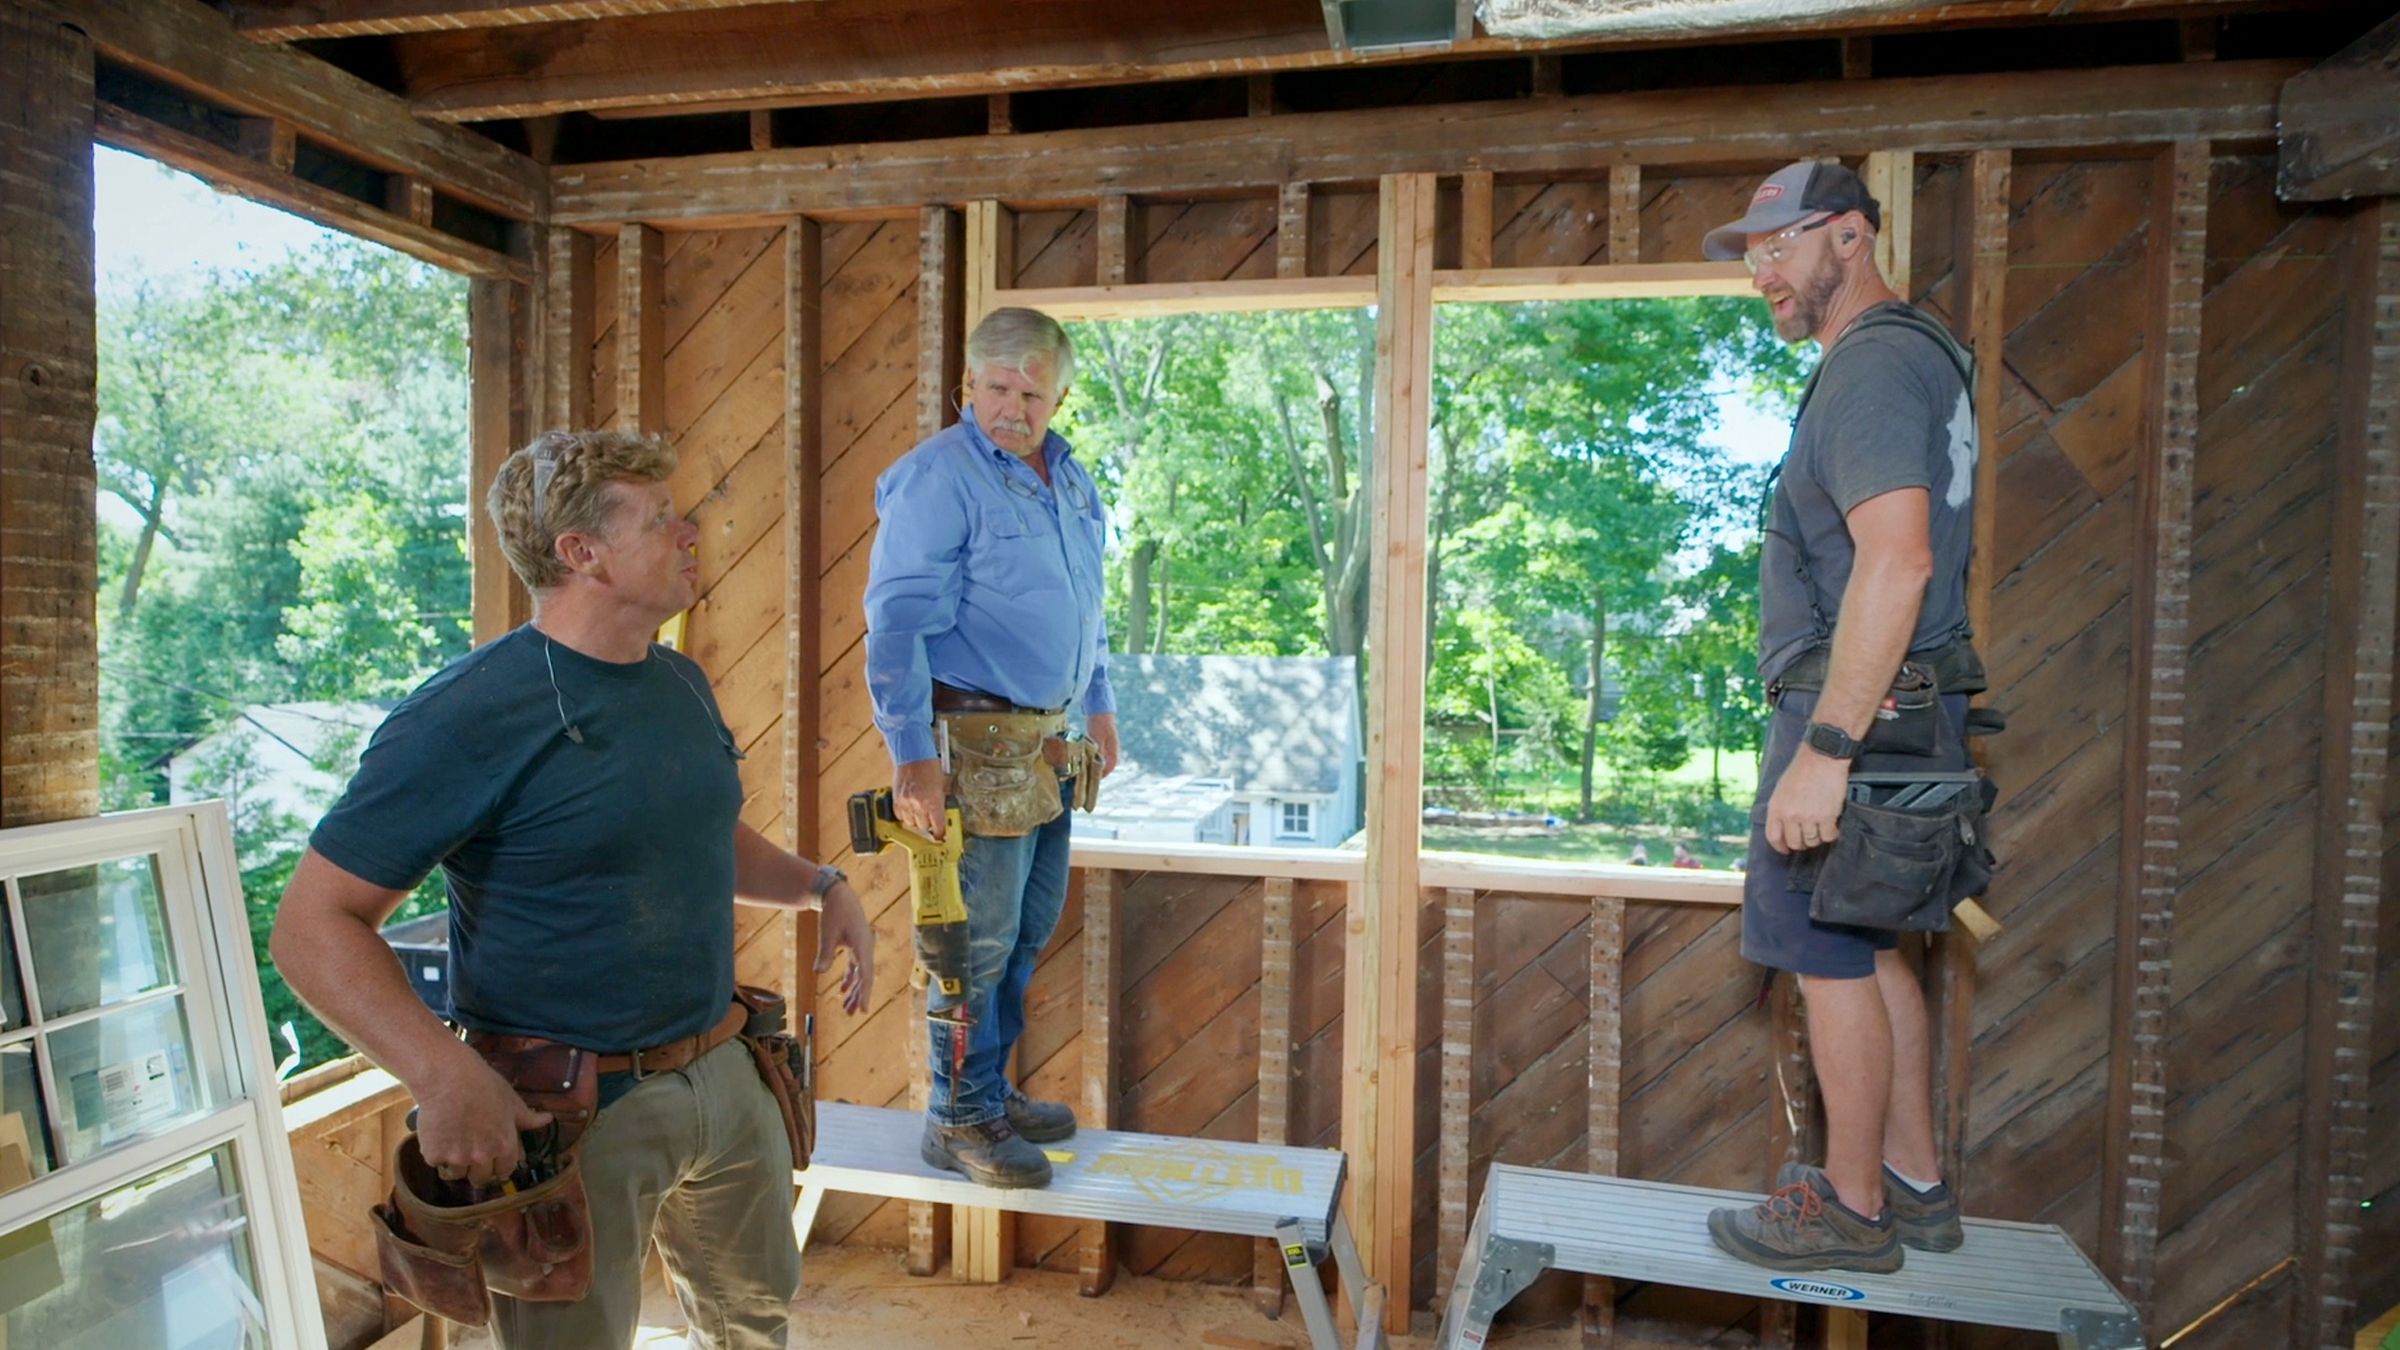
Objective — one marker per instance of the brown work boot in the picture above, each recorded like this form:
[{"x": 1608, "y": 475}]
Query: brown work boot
[
  {"x": 1928, "y": 1220},
  {"x": 1805, "y": 1226},
  {"x": 989, "y": 1154},
  {"x": 1039, "y": 1122}
]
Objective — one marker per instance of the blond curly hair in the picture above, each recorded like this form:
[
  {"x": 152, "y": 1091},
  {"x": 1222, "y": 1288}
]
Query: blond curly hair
[{"x": 570, "y": 471}]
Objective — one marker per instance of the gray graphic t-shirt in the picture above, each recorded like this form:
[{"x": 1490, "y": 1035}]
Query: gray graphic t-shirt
[{"x": 1889, "y": 411}]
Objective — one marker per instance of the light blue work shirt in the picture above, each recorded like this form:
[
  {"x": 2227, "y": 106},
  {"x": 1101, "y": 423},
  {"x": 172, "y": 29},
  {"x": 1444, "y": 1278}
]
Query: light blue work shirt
[{"x": 985, "y": 578}]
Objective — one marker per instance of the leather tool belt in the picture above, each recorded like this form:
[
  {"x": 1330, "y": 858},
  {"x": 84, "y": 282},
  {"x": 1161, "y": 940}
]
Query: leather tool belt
[
  {"x": 1006, "y": 768},
  {"x": 787, "y": 1063}
]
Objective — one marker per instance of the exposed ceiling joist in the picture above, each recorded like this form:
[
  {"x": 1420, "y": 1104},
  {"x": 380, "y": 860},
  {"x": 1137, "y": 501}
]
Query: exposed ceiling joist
[
  {"x": 864, "y": 50},
  {"x": 2338, "y": 133},
  {"x": 293, "y": 20}
]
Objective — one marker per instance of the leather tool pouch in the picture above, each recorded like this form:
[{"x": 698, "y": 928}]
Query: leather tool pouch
[
  {"x": 1004, "y": 783},
  {"x": 786, "y": 1063},
  {"x": 1900, "y": 869},
  {"x": 446, "y": 1248},
  {"x": 1909, "y": 721},
  {"x": 1077, "y": 761}
]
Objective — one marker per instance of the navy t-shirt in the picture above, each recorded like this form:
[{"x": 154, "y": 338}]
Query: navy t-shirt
[{"x": 591, "y": 882}]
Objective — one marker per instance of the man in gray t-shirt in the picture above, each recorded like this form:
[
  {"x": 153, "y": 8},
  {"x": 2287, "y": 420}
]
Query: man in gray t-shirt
[{"x": 1864, "y": 563}]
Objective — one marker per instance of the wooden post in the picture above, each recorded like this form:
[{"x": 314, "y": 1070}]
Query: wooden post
[
  {"x": 1624, "y": 214},
  {"x": 940, "y": 352},
  {"x": 1891, "y": 178},
  {"x": 2351, "y": 784},
  {"x": 1379, "y": 1032},
  {"x": 1267, "y": 1279},
  {"x": 1549, "y": 77},
  {"x": 1606, "y": 1046},
  {"x": 1100, "y": 915},
  {"x": 1792, "y": 1124},
  {"x": 274, "y": 142},
  {"x": 991, "y": 257},
  {"x": 1475, "y": 219},
  {"x": 803, "y": 597},
  {"x": 495, "y": 374},
  {"x": 1261, "y": 96},
  {"x": 2134, "y": 1147},
  {"x": 762, "y": 129},
  {"x": 1291, "y": 230},
  {"x": 1116, "y": 250},
  {"x": 641, "y": 329},
  {"x": 1858, "y": 57},
  {"x": 1453, "y": 1204},
  {"x": 49, "y": 555},
  {"x": 999, "y": 119},
  {"x": 566, "y": 335}
]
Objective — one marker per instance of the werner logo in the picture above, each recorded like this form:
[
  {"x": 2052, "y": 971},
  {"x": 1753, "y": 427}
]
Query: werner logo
[{"x": 1832, "y": 1293}]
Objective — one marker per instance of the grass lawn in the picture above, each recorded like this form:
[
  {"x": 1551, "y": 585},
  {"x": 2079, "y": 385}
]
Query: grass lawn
[{"x": 1736, "y": 771}]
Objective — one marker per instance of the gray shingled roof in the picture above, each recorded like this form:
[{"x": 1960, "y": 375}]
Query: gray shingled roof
[{"x": 1267, "y": 723}]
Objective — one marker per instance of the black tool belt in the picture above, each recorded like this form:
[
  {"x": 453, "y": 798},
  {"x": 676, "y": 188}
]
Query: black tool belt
[{"x": 1955, "y": 665}]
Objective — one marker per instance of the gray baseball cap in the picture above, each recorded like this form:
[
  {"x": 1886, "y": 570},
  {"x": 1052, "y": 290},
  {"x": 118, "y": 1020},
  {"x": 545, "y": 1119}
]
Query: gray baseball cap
[{"x": 1790, "y": 195}]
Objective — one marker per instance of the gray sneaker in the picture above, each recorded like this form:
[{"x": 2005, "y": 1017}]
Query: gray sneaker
[
  {"x": 1039, "y": 1122},
  {"x": 990, "y": 1154},
  {"x": 1928, "y": 1220},
  {"x": 1804, "y": 1226}
]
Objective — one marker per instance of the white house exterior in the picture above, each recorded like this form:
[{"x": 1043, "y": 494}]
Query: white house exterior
[
  {"x": 283, "y": 744},
  {"x": 1258, "y": 750}
]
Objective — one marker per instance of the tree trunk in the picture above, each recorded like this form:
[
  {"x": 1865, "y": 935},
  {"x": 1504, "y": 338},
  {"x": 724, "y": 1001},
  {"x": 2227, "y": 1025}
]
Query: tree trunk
[
  {"x": 1137, "y": 595},
  {"x": 1158, "y": 641},
  {"x": 151, "y": 515},
  {"x": 1591, "y": 714}
]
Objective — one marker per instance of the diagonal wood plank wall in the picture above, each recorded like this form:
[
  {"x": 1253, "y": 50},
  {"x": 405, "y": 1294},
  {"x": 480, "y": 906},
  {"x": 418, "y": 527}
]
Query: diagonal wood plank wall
[{"x": 2076, "y": 395}]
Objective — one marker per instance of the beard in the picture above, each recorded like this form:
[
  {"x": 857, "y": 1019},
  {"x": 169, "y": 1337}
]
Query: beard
[{"x": 1809, "y": 300}]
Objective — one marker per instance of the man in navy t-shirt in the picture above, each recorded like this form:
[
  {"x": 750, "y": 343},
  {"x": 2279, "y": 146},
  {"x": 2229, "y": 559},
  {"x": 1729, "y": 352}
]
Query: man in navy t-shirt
[{"x": 578, "y": 787}]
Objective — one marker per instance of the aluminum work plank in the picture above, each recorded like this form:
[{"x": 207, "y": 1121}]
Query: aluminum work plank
[
  {"x": 1115, "y": 1176},
  {"x": 2028, "y": 1276}
]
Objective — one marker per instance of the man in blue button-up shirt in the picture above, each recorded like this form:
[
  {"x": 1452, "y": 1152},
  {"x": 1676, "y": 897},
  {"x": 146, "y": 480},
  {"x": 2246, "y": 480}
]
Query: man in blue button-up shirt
[{"x": 984, "y": 592}]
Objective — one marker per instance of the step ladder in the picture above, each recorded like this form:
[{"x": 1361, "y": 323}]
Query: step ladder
[
  {"x": 1292, "y": 1195},
  {"x": 2022, "y": 1275}
]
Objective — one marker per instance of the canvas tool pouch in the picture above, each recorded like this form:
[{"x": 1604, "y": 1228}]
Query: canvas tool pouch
[
  {"x": 785, "y": 1062},
  {"x": 445, "y": 1250},
  {"x": 1005, "y": 784},
  {"x": 1909, "y": 719},
  {"x": 1900, "y": 870}
]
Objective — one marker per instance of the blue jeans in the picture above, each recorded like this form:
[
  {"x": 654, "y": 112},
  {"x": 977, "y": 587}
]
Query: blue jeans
[{"x": 1014, "y": 889}]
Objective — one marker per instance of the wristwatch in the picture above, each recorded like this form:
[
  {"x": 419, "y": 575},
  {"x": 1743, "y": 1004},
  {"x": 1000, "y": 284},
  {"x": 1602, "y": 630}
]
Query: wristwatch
[
  {"x": 1831, "y": 741},
  {"x": 827, "y": 877}
]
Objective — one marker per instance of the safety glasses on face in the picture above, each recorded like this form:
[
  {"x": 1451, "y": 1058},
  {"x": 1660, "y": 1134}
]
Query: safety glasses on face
[{"x": 1778, "y": 246}]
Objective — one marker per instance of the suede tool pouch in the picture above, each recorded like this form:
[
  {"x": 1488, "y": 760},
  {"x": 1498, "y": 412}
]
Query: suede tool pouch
[
  {"x": 445, "y": 1246},
  {"x": 1894, "y": 869}
]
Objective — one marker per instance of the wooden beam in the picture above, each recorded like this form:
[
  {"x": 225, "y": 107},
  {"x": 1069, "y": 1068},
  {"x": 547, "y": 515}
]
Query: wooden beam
[
  {"x": 1475, "y": 220},
  {"x": 1291, "y": 230},
  {"x": 1379, "y": 1032},
  {"x": 1153, "y": 299},
  {"x": 2352, "y": 783},
  {"x": 1638, "y": 281},
  {"x": 1115, "y": 265},
  {"x": 803, "y": 595},
  {"x": 49, "y": 362},
  {"x": 1474, "y": 871},
  {"x": 2130, "y": 106},
  {"x": 991, "y": 244},
  {"x": 1604, "y": 1031},
  {"x": 1276, "y": 949},
  {"x": 1625, "y": 216},
  {"x": 495, "y": 371},
  {"x": 1452, "y": 1204},
  {"x": 186, "y": 44},
  {"x": 1101, "y": 924},
  {"x": 2337, "y": 135},
  {"x": 258, "y": 179},
  {"x": 641, "y": 329},
  {"x": 567, "y": 323},
  {"x": 2134, "y": 1146},
  {"x": 303, "y": 20},
  {"x": 1891, "y": 179}
]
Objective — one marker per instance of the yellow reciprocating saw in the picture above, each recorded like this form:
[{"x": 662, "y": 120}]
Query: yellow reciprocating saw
[{"x": 935, "y": 900}]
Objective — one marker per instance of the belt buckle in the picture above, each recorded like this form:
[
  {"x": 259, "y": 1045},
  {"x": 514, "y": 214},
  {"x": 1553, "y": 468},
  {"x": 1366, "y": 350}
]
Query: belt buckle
[{"x": 641, "y": 1074}]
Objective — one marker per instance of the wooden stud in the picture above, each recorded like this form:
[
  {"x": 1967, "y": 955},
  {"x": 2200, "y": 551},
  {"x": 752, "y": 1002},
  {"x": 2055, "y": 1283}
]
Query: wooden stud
[
  {"x": 272, "y": 142},
  {"x": 50, "y": 682},
  {"x": 1379, "y": 1031},
  {"x": 1475, "y": 219},
  {"x": 2223, "y": 100},
  {"x": 762, "y": 128},
  {"x": 1858, "y": 58},
  {"x": 1116, "y": 264},
  {"x": 1276, "y": 949},
  {"x": 1101, "y": 900},
  {"x": 2134, "y": 1147},
  {"x": 2352, "y": 783},
  {"x": 498, "y": 600},
  {"x": 803, "y": 596},
  {"x": 991, "y": 243},
  {"x": 1262, "y": 95},
  {"x": 1549, "y": 77},
  {"x": 1452, "y": 1204},
  {"x": 567, "y": 321},
  {"x": 641, "y": 330},
  {"x": 1793, "y": 1122},
  {"x": 1291, "y": 230},
  {"x": 940, "y": 355},
  {"x": 929, "y": 1230},
  {"x": 1462, "y": 23},
  {"x": 1625, "y": 215},
  {"x": 998, "y": 118},
  {"x": 2196, "y": 39},
  {"x": 1891, "y": 179},
  {"x": 1605, "y": 1033},
  {"x": 411, "y": 199},
  {"x": 1845, "y": 1329}
]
